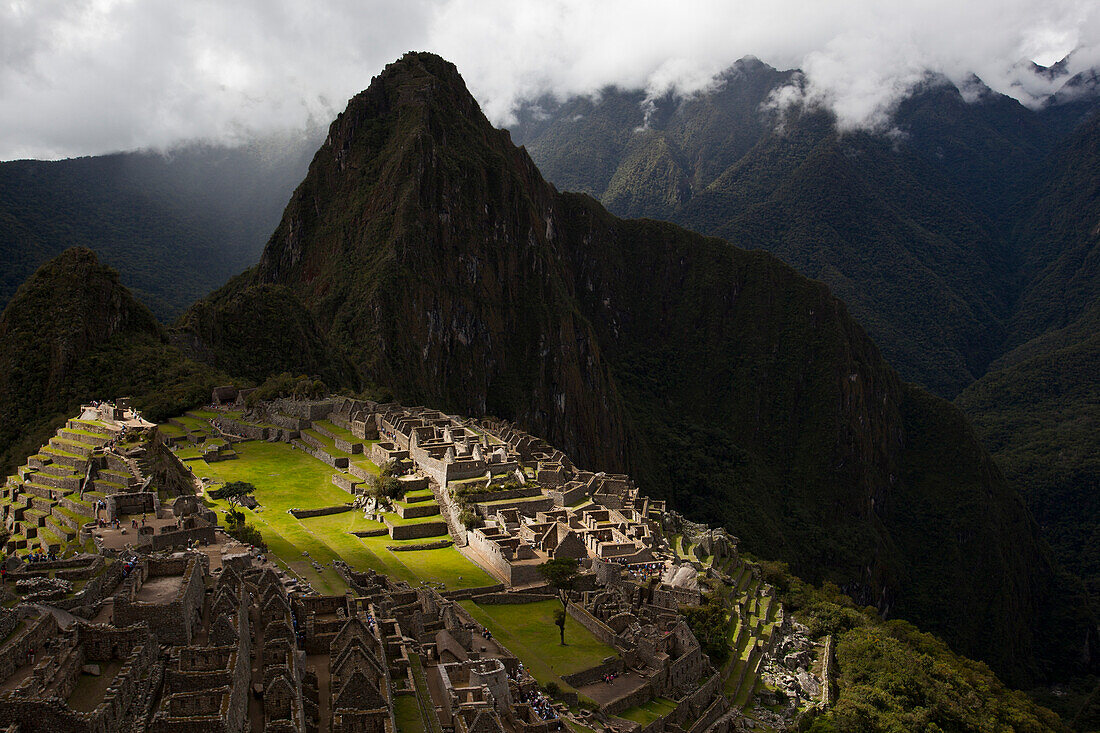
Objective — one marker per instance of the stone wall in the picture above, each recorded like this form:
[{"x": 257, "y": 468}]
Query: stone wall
[
  {"x": 416, "y": 531},
  {"x": 180, "y": 537},
  {"x": 599, "y": 629},
  {"x": 343, "y": 482},
  {"x": 32, "y": 636},
  {"x": 137, "y": 502},
  {"x": 612, "y": 665},
  {"x": 568, "y": 497},
  {"x": 172, "y": 622},
  {"x": 321, "y": 512},
  {"x": 340, "y": 462},
  {"x": 828, "y": 672},
  {"x": 305, "y": 409}
]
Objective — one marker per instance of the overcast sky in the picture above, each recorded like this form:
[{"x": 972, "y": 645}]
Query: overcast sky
[{"x": 81, "y": 77}]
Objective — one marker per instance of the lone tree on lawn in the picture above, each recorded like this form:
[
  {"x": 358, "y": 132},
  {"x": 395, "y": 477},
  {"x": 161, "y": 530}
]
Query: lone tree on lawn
[
  {"x": 233, "y": 493},
  {"x": 561, "y": 574}
]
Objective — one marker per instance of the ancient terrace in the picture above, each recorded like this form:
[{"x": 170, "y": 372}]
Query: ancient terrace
[{"x": 422, "y": 611}]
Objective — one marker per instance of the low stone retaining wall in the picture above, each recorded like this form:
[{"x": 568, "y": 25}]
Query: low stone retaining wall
[
  {"x": 345, "y": 483},
  {"x": 371, "y": 532},
  {"x": 437, "y": 545},
  {"x": 612, "y": 665},
  {"x": 323, "y": 511},
  {"x": 522, "y": 493},
  {"x": 465, "y": 594},
  {"x": 360, "y": 472},
  {"x": 340, "y": 462},
  {"x": 599, "y": 629},
  {"x": 347, "y": 446},
  {"x": 416, "y": 531},
  {"x": 505, "y": 599},
  {"x": 417, "y": 510},
  {"x": 524, "y": 505}
]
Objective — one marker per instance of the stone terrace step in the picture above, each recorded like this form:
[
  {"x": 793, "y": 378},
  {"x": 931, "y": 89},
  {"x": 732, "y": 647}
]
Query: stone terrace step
[
  {"x": 34, "y": 517},
  {"x": 69, "y": 446},
  {"x": 413, "y": 497},
  {"x": 41, "y": 490},
  {"x": 48, "y": 541},
  {"x": 64, "y": 458},
  {"x": 110, "y": 487},
  {"x": 416, "y": 510},
  {"x": 55, "y": 527},
  {"x": 91, "y": 426},
  {"x": 70, "y": 482},
  {"x": 84, "y": 436},
  {"x": 69, "y": 518}
]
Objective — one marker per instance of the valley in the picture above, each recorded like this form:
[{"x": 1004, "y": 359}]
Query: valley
[{"x": 773, "y": 527}]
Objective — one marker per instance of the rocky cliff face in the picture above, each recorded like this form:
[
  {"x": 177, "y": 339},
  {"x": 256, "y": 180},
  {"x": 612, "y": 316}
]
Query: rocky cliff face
[{"x": 429, "y": 249}]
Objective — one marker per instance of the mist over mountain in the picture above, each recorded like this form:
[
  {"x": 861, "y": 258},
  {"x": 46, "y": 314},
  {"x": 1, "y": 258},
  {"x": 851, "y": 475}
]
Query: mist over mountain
[
  {"x": 176, "y": 225},
  {"x": 963, "y": 241},
  {"x": 424, "y": 256},
  {"x": 431, "y": 251}
]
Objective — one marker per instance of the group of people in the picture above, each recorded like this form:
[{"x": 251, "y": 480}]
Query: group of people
[
  {"x": 609, "y": 678},
  {"x": 40, "y": 556},
  {"x": 647, "y": 570},
  {"x": 541, "y": 704}
]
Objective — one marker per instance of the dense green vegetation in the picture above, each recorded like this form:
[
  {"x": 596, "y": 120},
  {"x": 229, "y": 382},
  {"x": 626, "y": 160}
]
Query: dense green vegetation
[
  {"x": 965, "y": 244},
  {"x": 718, "y": 378},
  {"x": 71, "y": 334},
  {"x": 175, "y": 225},
  {"x": 893, "y": 677}
]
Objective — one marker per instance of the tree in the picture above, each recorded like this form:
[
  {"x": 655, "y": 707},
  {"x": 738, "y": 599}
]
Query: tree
[
  {"x": 559, "y": 619},
  {"x": 561, "y": 574},
  {"x": 233, "y": 493}
]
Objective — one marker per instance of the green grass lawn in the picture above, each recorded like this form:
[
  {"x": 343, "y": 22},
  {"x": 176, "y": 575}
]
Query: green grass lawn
[
  {"x": 327, "y": 443},
  {"x": 193, "y": 424},
  {"x": 646, "y": 713},
  {"x": 528, "y": 630},
  {"x": 337, "y": 431},
  {"x": 286, "y": 478},
  {"x": 407, "y": 712}
]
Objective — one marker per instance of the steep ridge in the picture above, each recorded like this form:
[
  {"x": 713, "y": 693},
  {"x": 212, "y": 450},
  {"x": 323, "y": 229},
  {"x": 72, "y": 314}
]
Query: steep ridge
[
  {"x": 72, "y": 333},
  {"x": 908, "y": 228},
  {"x": 1038, "y": 405},
  {"x": 434, "y": 253}
]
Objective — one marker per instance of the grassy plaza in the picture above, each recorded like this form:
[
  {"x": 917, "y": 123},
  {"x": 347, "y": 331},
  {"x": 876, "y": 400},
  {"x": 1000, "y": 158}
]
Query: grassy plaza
[
  {"x": 286, "y": 478},
  {"x": 529, "y": 630}
]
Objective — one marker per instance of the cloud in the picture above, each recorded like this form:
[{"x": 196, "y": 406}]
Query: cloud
[{"x": 91, "y": 76}]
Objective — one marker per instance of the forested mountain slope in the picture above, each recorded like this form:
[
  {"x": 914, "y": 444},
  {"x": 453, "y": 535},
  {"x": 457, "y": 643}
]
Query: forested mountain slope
[
  {"x": 429, "y": 250},
  {"x": 964, "y": 240},
  {"x": 175, "y": 225},
  {"x": 73, "y": 333}
]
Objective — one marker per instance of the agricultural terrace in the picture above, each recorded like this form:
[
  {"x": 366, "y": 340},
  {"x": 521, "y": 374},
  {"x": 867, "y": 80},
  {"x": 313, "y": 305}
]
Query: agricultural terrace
[{"x": 286, "y": 478}]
